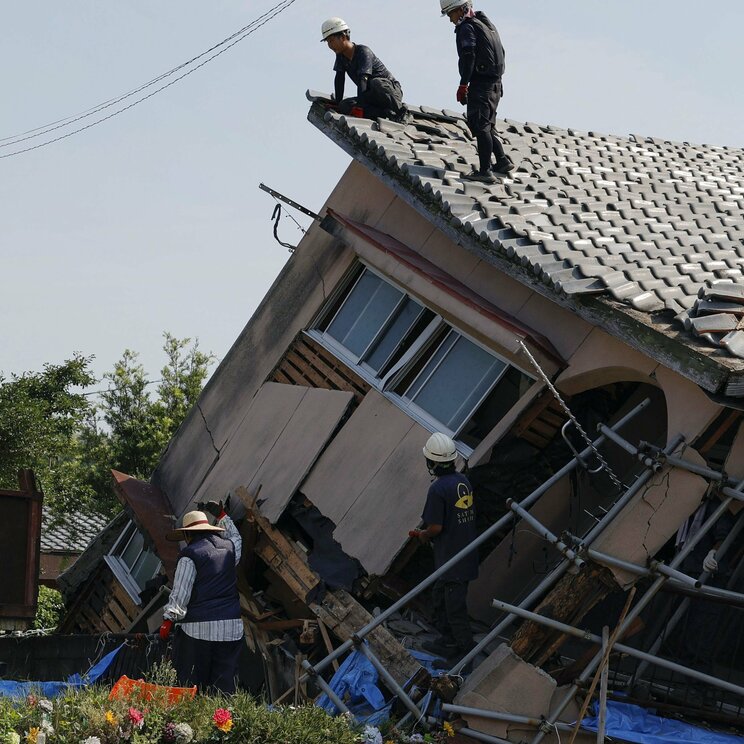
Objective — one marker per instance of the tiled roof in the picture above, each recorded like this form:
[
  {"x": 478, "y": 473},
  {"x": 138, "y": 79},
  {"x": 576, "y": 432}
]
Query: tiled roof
[
  {"x": 71, "y": 534},
  {"x": 649, "y": 223}
]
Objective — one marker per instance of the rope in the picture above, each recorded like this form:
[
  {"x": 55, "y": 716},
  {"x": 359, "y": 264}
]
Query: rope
[{"x": 573, "y": 419}]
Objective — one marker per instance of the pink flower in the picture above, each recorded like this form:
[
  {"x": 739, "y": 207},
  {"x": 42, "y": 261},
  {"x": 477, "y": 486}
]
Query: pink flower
[
  {"x": 223, "y": 719},
  {"x": 136, "y": 718}
]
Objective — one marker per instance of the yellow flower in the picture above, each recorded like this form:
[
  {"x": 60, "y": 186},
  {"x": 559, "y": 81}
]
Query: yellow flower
[
  {"x": 111, "y": 719},
  {"x": 32, "y": 735},
  {"x": 447, "y": 726},
  {"x": 226, "y": 726}
]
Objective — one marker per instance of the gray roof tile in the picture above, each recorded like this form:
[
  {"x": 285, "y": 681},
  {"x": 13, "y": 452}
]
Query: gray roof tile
[{"x": 649, "y": 222}]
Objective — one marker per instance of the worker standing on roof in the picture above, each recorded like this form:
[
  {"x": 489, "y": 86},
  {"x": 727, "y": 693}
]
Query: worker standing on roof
[
  {"x": 204, "y": 601},
  {"x": 379, "y": 94},
  {"x": 482, "y": 62},
  {"x": 449, "y": 516}
]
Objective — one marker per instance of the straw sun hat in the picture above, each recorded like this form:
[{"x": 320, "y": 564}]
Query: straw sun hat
[{"x": 193, "y": 521}]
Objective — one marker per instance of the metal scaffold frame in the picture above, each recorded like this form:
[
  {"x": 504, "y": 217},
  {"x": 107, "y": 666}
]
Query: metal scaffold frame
[{"x": 576, "y": 553}]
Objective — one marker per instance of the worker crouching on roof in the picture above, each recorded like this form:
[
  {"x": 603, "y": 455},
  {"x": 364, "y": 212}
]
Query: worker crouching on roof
[
  {"x": 482, "y": 62},
  {"x": 449, "y": 516},
  {"x": 379, "y": 94},
  {"x": 204, "y": 601}
]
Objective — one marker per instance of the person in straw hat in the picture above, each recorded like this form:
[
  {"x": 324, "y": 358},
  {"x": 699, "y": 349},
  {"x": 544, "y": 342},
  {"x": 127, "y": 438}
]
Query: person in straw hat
[{"x": 204, "y": 601}]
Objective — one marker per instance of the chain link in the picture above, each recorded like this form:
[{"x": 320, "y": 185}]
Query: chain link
[{"x": 574, "y": 421}]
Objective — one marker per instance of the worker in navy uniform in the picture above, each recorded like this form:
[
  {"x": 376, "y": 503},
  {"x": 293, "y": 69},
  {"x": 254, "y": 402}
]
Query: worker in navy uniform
[
  {"x": 204, "y": 601},
  {"x": 379, "y": 94},
  {"x": 449, "y": 519},
  {"x": 482, "y": 62}
]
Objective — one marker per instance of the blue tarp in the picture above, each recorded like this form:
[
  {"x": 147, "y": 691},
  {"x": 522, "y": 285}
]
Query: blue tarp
[
  {"x": 357, "y": 679},
  {"x": 631, "y": 723},
  {"x": 12, "y": 689}
]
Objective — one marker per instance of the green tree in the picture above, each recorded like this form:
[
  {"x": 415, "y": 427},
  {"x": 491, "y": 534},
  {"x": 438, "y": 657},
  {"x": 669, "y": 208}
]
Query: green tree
[
  {"x": 140, "y": 425},
  {"x": 48, "y": 423},
  {"x": 41, "y": 417}
]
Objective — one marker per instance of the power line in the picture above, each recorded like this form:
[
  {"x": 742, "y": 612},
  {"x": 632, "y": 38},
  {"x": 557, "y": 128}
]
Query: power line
[{"x": 222, "y": 46}]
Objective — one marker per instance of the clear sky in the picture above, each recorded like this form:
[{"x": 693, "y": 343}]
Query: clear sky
[{"x": 153, "y": 220}]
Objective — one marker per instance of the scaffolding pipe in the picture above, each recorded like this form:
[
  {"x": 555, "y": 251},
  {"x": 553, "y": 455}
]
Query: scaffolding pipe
[
  {"x": 391, "y": 684},
  {"x": 335, "y": 699},
  {"x": 557, "y": 573},
  {"x": 480, "y": 736},
  {"x": 585, "y": 635},
  {"x": 498, "y": 715},
  {"x": 691, "y": 467},
  {"x": 634, "y": 613},
  {"x": 546, "y": 534},
  {"x": 679, "y": 613},
  {"x": 654, "y": 567},
  {"x": 483, "y": 537}
]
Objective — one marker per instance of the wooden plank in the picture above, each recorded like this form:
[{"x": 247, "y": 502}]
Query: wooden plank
[
  {"x": 312, "y": 375},
  {"x": 344, "y": 616}
]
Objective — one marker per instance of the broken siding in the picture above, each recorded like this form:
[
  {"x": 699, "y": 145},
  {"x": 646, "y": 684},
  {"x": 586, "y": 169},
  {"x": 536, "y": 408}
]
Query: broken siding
[
  {"x": 372, "y": 482},
  {"x": 281, "y": 436}
]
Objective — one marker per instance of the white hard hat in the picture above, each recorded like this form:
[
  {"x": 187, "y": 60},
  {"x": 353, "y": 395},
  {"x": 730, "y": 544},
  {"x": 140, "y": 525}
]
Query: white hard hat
[
  {"x": 449, "y": 5},
  {"x": 333, "y": 26},
  {"x": 440, "y": 448}
]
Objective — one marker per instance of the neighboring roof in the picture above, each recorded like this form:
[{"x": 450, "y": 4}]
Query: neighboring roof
[
  {"x": 71, "y": 534},
  {"x": 646, "y": 224}
]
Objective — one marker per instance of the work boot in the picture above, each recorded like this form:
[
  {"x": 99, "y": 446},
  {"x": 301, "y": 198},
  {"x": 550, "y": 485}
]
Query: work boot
[
  {"x": 403, "y": 116},
  {"x": 504, "y": 166},
  {"x": 476, "y": 175}
]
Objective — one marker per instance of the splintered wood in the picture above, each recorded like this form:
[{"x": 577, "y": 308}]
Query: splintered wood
[{"x": 338, "y": 610}]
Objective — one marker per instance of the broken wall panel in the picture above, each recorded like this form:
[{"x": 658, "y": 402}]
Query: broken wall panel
[
  {"x": 281, "y": 436},
  {"x": 372, "y": 481}
]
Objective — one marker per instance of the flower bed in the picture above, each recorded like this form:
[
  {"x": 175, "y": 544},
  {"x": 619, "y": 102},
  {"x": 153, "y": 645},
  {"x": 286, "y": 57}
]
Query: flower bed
[{"x": 88, "y": 716}]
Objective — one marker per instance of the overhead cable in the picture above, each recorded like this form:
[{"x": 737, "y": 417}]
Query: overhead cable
[{"x": 218, "y": 49}]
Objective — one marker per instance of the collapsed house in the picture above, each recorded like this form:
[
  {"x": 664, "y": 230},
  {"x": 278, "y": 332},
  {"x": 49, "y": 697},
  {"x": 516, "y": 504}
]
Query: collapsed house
[{"x": 577, "y": 329}]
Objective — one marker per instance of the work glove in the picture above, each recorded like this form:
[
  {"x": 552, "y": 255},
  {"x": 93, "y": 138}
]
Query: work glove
[
  {"x": 217, "y": 509},
  {"x": 414, "y": 533},
  {"x": 710, "y": 564},
  {"x": 462, "y": 94},
  {"x": 165, "y": 629}
]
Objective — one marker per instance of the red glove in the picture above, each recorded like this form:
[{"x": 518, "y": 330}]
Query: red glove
[
  {"x": 414, "y": 533},
  {"x": 358, "y": 112},
  {"x": 165, "y": 629},
  {"x": 462, "y": 94}
]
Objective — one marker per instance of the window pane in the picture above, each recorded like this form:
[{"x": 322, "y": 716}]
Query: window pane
[
  {"x": 364, "y": 313},
  {"x": 133, "y": 549},
  {"x": 508, "y": 390},
  {"x": 455, "y": 387},
  {"x": 145, "y": 567},
  {"x": 392, "y": 337}
]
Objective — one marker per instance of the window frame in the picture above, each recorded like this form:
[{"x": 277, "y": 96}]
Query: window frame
[
  {"x": 422, "y": 346},
  {"x": 121, "y": 569}
]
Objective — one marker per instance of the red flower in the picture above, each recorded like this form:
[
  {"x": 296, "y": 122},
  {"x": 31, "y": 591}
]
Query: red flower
[
  {"x": 223, "y": 719},
  {"x": 136, "y": 718}
]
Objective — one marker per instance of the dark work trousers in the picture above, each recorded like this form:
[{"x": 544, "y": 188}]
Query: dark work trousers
[
  {"x": 383, "y": 98},
  {"x": 483, "y": 102},
  {"x": 450, "y": 613},
  {"x": 210, "y": 665}
]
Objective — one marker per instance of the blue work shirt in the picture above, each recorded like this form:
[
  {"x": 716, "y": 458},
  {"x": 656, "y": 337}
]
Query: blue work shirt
[{"x": 450, "y": 503}]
